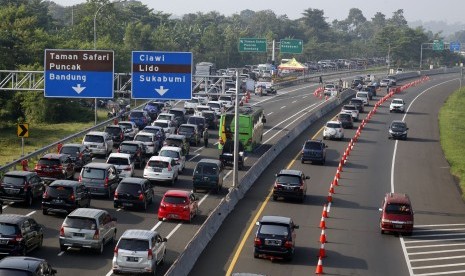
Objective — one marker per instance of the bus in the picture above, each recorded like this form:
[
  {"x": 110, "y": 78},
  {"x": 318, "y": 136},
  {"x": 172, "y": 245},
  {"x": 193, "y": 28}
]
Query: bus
[{"x": 251, "y": 121}]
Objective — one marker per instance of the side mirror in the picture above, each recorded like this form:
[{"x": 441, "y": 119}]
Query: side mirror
[
  {"x": 257, "y": 223},
  {"x": 380, "y": 209}
]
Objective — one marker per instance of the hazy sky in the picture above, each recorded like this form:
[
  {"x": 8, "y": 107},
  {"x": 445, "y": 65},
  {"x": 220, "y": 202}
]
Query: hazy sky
[{"x": 450, "y": 11}]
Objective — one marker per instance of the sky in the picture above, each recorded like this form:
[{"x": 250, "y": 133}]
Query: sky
[{"x": 449, "y": 11}]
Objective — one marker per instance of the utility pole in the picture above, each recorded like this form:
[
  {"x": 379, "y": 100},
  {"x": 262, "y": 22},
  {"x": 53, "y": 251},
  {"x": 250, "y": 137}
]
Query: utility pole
[{"x": 389, "y": 58}]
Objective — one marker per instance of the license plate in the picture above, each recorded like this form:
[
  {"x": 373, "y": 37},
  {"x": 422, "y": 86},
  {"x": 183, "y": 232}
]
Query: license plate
[
  {"x": 57, "y": 201},
  {"x": 273, "y": 242},
  {"x": 78, "y": 234},
  {"x": 398, "y": 226},
  {"x": 12, "y": 191},
  {"x": 3, "y": 241},
  {"x": 173, "y": 216},
  {"x": 132, "y": 259},
  {"x": 157, "y": 169},
  {"x": 127, "y": 204}
]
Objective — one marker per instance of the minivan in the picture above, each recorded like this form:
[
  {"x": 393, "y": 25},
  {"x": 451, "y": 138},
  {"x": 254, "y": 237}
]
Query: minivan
[
  {"x": 208, "y": 175},
  {"x": 100, "y": 178},
  {"x": 396, "y": 214},
  {"x": 65, "y": 195},
  {"x": 99, "y": 143}
]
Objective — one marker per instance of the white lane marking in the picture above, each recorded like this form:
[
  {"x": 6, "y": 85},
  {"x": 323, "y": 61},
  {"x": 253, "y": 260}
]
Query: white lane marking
[
  {"x": 61, "y": 253},
  {"x": 203, "y": 198},
  {"x": 119, "y": 209},
  {"x": 437, "y": 252},
  {"x": 304, "y": 97},
  {"x": 156, "y": 225},
  {"x": 296, "y": 114},
  {"x": 193, "y": 157},
  {"x": 441, "y": 273},
  {"x": 294, "y": 101},
  {"x": 440, "y": 258},
  {"x": 435, "y": 245},
  {"x": 269, "y": 113},
  {"x": 199, "y": 149},
  {"x": 30, "y": 214},
  {"x": 407, "y": 259},
  {"x": 438, "y": 229},
  {"x": 436, "y": 266},
  {"x": 174, "y": 230},
  {"x": 435, "y": 240},
  {"x": 439, "y": 225},
  {"x": 282, "y": 107}
]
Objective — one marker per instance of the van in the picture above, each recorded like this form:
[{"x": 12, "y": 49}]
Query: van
[
  {"x": 208, "y": 175},
  {"x": 99, "y": 142},
  {"x": 396, "y": 214},
  {"x": 100, "y": 178}
]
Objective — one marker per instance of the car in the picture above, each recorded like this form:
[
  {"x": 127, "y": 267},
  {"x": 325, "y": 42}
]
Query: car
[
  {"x": 227, "y": 154},
  {"x": 330, "y": 89},
  {"x": 396, "y": 214},
  {"x": 117, "y": 134},
  {"x": 166, "y": 116},
  {"x": 364, "y": 96},
  {"x": 99, "y": 142},
  {"x": 203, "y": 98},
  {"x": 179, "y": 205},
  {"x": 314, "y": 151},
  {"x": 139, "y": 251},
  {"x": 275, "y": 238},
  {"x": 176, "y": 140},
  {"x": 78, "y": 153},
  {"x": 352, "y": 109},
  {"x": 333, "y": 130},
  {"x": 20, "y": 234},
  {"x": 216, "y": 106},
  {"x": 136, "y": 149},
  {"x": 65, "y": 195},
  {"x": 385, "y": 83},
  {"x": 179, "y": 115},
  {"x": 191, "y": 104},
  {"x": 140, "y": 117},
  {"x": 359, "y": 104},
  {"x": 211, "y": 119},
  {"x": 346, "y": 120},
  {"x": 130, "y": 129},
  {"x": 87, "y": 228},
  {"x": 191, "y": 132},
  {"x": 399, "y": 71},
  {"x": 200, "y": 121},
  {"x": 392, "y": 80},
  {"x": 290, "y": 184},
  {"x": 397, "y": 105},
  {"x": 150, "y": 140},
  {"x": 227, "y": 100},
  {"x": 357, "y": 82},
  {"x": 158, "y": 131},
  {"x": 123, "y": 162},
  {"x": 208, "y": 175},
  {"x": 21, "y": 186},
  {"x": 153, "y": 108},
  {"x": 200, "y": 108},
  {"x": 133, "y": 192},
  {"x": 26, "y": 266},
  {"x": 398, "y": 130},
  {"x": 55, "y": 166},
  {"x": 176, "y": 153},
  {"x": 371, "y": 89},
  {"x": 169, "y": 127},
  {"x": 161, "y": 168},
  {"x": 100, "y": 178}
]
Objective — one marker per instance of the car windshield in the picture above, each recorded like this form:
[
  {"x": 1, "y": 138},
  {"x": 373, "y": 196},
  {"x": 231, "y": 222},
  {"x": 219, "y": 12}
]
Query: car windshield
[
  {"x": 79, "y": 223},
  {"x": 288, "y": 179},
  {"x": 118, "y": 161},
  {"x": 93, "y": 138},
  {"x": 113, "y": 130},
  {"x": 348, "y": 107},
  {"x": 8, "y": 229},
  {"x": 195, "y": 120},
  {"x": 158, "y": 164},
  {"x": 129, "y": 188},
  {"x": 128, "y": 148},
  {"x": 143, "y": 138},
  {"x": 70, "y": 150},
  {"x": 175, "y": 199},
  {"x": 135, "y": 114},
  {"x": 206, "y": 169},
  {"x": 177, "y": 113},
  {"x": 397, "y": 102},
  {"x": 164, "y": 117},
  {"x": 59, "y": 191},
  {"x": 225, "y": 98},
  {"x": 48, "y": 162},
  {"x": 356, "y": 102},
  {"x": 173, "y": 142},
  {"x": 208, "y": 115},
  {"x": 333, "y": 125},
  {"x": 93, "y": 173},
  {"x": 344, "y": 117},
  {"x": 194, "y": 101},
  {"x": 200, "y": 108},
  {"x": 169, "y": 153},
  {"x": 273, "y": 229},
  {"x": 312, "y": 146},
  {"x": 186, "y": 129},
  {"x": 126, "y": 125},
  {"x": 397, "y": 126},
  {"x": 396, "y": 208},
  {"x": 161, "y": 124},
  {"x": 133, "y": 244},
  {"x": 13, "y": 180}
]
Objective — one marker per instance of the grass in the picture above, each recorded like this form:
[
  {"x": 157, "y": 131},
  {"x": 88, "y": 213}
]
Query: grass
[{"x": 452, "y": 133}]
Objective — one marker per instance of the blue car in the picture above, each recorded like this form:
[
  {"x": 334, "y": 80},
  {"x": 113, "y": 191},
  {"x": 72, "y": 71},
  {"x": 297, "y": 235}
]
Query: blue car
[
  {"x": 140, "y": 117},
  {"x": 314, "y": 151}
]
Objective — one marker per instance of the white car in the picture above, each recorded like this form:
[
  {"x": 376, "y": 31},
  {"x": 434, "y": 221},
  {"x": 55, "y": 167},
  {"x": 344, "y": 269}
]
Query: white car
[
  {"x": 98, "y": 142},
  {"x": 352, "y": 109},
  {"x": 397, "y": 105},
  {"x": 203, "y": 98},
  {"x": 399, "y": 70},
  {"x": 200, "y": 108},
  {"x": 384, "y": 82},
  {"x": 333, "y": 130},
  {"x": 330, "y": 90},
  {"x": 226, "y": 100},
  {"x": 191, "y": 104},
  {"x": 175, "y": 153},
  {"x": 166, "y": 116},
  {"x": 364, "y": 96},
  {"x": 168, "y": 126},
  {"x": 150, "y": 141},
  {"x": 216, "y": 106},
  {"x": 161, "y": 168},
  {"x": 123, "y": 162},
  {"x": 130, "y": 129}
]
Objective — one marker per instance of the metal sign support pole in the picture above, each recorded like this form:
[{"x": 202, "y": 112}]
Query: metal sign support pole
[
  {"x": 236, "y": 133},
  {"x": 22, "y": 146}
]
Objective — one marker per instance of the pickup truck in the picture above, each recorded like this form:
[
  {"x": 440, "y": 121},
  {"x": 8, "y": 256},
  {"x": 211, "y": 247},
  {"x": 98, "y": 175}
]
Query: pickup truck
[
  {"x": 227, "y": 154},
  {"x": 266, "y": 85}
]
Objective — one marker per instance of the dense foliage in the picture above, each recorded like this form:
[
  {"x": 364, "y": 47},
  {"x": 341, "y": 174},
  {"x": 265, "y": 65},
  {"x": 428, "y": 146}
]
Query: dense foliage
[{"x": 30, "y": 26}]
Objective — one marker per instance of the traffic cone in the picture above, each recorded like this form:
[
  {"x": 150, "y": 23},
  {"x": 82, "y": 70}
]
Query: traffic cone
[
  {"x": 331, "y": 189},
  {"x": 326, "y": 97},
  {"x": 325, "y": 211},
  {"x": 338, "y": 174},
  {"x": 319, "y": 267},
  {"x": 323, "y": 236},
  {"x": 322, "y": 253},
  {"x": 322, "y": 223},
  {"x": 330, "y": 197},
  {"x": 335, "y": 182},
  {"x": 339, "y": 168}
]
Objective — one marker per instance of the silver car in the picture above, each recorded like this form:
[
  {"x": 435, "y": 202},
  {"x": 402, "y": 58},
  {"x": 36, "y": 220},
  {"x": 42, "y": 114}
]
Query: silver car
[
  {"x": 123, "y": 162},
  {"x": 87, "y": 228}
]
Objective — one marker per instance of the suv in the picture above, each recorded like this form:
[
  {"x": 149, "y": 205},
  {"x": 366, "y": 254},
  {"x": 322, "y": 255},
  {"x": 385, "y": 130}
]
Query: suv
[
  {"x": 314, "y": 151},
  {"x": 123, "y": 162},
  {"x": 65, "y": 195},
  {"x": 153, "y": 108},
  {"x": 161, "y": 168},
  {"x": 28, "y": 266},
  {"x": 398, "y": 130},
  {"x": 139, "y": 251},
  {"x": 116, "y": 132},
  {"x": 208, "y": 174},
  {"x": 140, "y": 117},
  {"x": 19, "y": 234},
  {"x": 133, "y": 191},
  {"x": 191, "y": 104},
  {"x": 396, "y": 214},
  {"x": 352, "y": 109},
  {"x": 359, "y": 104},
  {"x": 150, "y": 140},
  {"x": 275, "y": 237},
  {"x": 397, "y": 105},
  {"x": 333, "y": 130},
  {"x": 179, "y": 115},
  {"x": 87, "y": 228},
  {"x": 211, "y": 119},
  {"x": 78, "y": 153},
  {"x": 200, "y": 121},
  {"x": 100, "y": 178},
  {"x": 21, "y": 186},
  {"x": 290, "y": 184},
  {"x": 364, "y": 95},
  {"x": 56, "y": 166},
  {"x": 176, "y": 140},
  {"x": 137, "y": 151},
  {"x": 191, "y": 132},
  {"x": 346, "y": 120},
  {"x": 130, "y": 129},
  {"x": 99, "y": 142}
]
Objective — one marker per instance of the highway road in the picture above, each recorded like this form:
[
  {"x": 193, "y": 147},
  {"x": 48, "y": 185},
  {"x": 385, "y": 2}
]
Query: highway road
[
  {"x": 282, "y": 111},
  {"x": 375, "y": 166}
]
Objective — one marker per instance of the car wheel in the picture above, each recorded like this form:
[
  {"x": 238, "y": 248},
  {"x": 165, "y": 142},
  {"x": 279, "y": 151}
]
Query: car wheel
[
  {"x": 275, "y": 197},
  {"x": 382, "y": 231},
  {"x": 63, "y": 248},
  {"x": 45, "y": 211},
  {"x": 100, "y": 249},
  {"x": 160, "y": 218},
  {"x": 255, "y": 254},
  {"x": 30, "y": 200}
]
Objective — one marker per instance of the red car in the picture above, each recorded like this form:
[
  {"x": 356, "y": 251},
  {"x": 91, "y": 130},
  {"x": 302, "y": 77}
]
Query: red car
[
  {"x": 56, "y": 166},
  {"x": 396, "y": 214},
  {"x": 178, "y": 204}
]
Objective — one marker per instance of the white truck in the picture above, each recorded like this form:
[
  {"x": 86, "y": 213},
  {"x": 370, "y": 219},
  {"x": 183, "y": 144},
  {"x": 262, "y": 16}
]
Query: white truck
[{"x": 264, "y": 86}]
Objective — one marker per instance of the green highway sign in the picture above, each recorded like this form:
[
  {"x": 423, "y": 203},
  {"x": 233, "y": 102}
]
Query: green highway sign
[
  {"x": 291, "y": 46},
  {"x": 252, "y": 44},
  {"x": 438, "y": 45}
]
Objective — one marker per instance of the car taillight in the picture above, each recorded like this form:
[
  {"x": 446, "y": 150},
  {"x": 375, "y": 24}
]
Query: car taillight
[
  {"x": 106, "y": 182},
  {"x": 19, "y": 238},
  {"x": 80, "y": 178},
  {"x": 45, "y": 195},
  {"x": 121, "y": 136},
  {"x": 162, "y": 205},
  {"x": 116, "y": 195},
  {"x": 128, "y": 169},
  {"x": 115, "y": 251},
  {"x": 149, "y": 254},
  {"x": 169, "y": 167},
  {"x": 257, "y": 241},
  {"x": 185, "y": 207},
  {"x": 141, "y": 197},
  {"x": 62, "y": 231},
  {"x": 288, "y": 244},
  {"x": 96, "y": 235},
  {"x": 72, "y": 197}
]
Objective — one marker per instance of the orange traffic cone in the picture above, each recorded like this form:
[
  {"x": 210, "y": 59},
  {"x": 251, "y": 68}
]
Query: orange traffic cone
[
  {"x": 339, "y": 168},
  {"x": 323, "y": 236},
  {"x": 331, "y": 189},
  {"x": 330, "y": 197},
  {"x": 322, "y": 253},
  {"x": 319, "y": 267},
  {"x": 326, "y": 97},
  {"x": 335, "y": 182},
  {"x": 322, "y": 223},
  {"x": 338, "y": 174},
  {"x": 325, "y": 211}
]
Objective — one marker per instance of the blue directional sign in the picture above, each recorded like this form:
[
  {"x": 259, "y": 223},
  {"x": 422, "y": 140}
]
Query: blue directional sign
[
  {"x": 78, "y": 74},
  {"x": 161, "y": 75},
  {"x": 454, "y": 46}
]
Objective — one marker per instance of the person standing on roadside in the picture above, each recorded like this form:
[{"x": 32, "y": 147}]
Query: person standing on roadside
[
  {"x": 205, "y": 137},
  {"x": 321, "y": 80}
]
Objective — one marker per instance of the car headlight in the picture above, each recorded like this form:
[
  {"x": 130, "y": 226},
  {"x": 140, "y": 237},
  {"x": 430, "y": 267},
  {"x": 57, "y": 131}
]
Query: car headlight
[{"x": 386, "y": 221}]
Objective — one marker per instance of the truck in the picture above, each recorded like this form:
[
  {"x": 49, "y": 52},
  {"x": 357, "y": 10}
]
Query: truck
[
  {"x": 227, "y": 154},
  {"x": 204, "y": 69},
  {"x": 265, "y": 86}
]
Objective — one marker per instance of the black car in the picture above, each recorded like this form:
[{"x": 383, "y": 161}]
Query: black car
[
  {"x": 314, "y": 151},
  {"x": 275, "y": 237},
  {"x": 290, "y": 184},
  {"x": 346, "y": 120},
  {"x": 200, "y": 121},
  {"x": 398, "y": 130},
  {"x": 21, "y": 186},
  {"x": 358, "y": 103},
  {"x": 19, "y": 234},
  {"x": 78, "y": 153},
  {"x": 65, "y": 195},
  {"x": 356, "y": 82},
  {"x": 116, "y": 132},
  {"x": 25, "y": 266},
  {"x": 133, "y": 192},
  {"x": 179, "y": 115},
  {"x": 211, "y": 119},
  {"x": 136, "y": 149}
]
